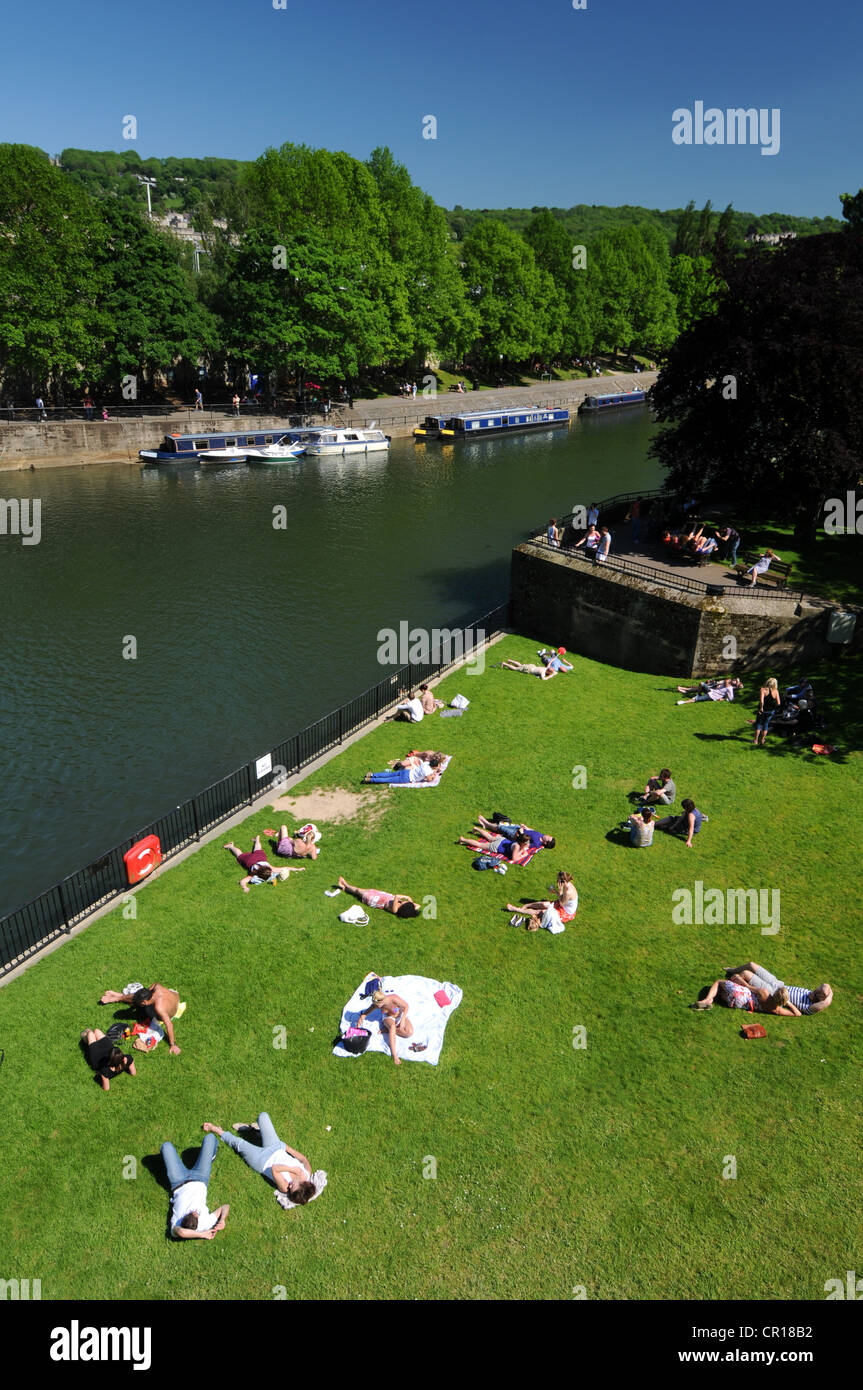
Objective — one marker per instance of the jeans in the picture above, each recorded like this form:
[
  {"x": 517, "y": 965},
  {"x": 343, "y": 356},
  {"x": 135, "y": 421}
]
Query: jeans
[
  {"x": 256, "y": 1156},
  {"x": 731, "y": 548},
  {"x": 636, "y": 529},
  {"x": 403, "y": 775},
  {"x": 176, "y": 1169}
]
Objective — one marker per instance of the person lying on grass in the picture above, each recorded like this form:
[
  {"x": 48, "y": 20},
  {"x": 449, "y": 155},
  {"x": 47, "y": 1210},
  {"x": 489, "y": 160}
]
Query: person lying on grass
[
  {"x": 156, "y": 1004},
  {"x": 296, "y": 846},
  {"x": 555, "y": 660},
  {"x": 703, "y": 686},
  {"x": 397, "y": 903},
  {"x": 258, "y": 868},
  {"x": 288, "y": 1170},
  {"x": 190, "y": 1218},
  {"x": 545, "y": 673},
  {"x": 757, "y": 1001},
  {"x": 660, "y": 789},
  {"x": 492, "y": 842},
  {"x": 511, "y": 829},
  {"x": 723, "y": 690},
  {"x": 106, "y": 1059},
  {"x": 755, "y": 977},
  {"x": 411, "y": 769},
  {"x": 688, "y": 824},
  {"x": 394, "y": 1023},
  {"x": 545, "y": 914}
]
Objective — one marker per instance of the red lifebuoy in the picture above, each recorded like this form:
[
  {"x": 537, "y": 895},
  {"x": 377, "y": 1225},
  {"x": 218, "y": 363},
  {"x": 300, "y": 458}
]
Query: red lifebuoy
[{"x": 143, "y": 858}]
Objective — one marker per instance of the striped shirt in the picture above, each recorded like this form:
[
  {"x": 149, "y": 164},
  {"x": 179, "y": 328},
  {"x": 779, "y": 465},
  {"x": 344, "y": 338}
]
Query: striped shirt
[{"x": 800, "y": 998}]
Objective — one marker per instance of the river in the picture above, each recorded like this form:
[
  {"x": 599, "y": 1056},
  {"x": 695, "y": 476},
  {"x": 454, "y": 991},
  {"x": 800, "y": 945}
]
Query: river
[{"x": 243, "y": 633}]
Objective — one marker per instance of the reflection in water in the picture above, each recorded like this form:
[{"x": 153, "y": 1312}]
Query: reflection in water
[{"x": 245, "y": 631}]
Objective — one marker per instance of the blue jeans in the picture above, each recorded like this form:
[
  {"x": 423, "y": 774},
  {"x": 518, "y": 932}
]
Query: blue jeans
[
  {"x": 254, "y": 1154},
  {"x": 636, "y": 529},
  {"x": 403, "y": 775},
  {"x": 731, "y": 548},
  {"x": 176, "y": 1169}
]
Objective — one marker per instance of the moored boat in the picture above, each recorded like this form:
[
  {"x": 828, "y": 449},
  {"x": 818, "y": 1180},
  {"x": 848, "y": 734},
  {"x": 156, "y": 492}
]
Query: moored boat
[
  {"x": 475, "y": 423},
  {"x": 594, "y": 405},
  {"x": 323, "y": 442},
  {"x": 230, "y": 447}
]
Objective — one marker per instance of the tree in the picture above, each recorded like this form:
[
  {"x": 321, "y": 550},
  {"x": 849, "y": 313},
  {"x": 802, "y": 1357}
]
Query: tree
[
  {"x": 764, "y": 398},
  {"x": 629, "y": 268},
  {"x": 693, "y": 285},
  {"x": 686, "y": 238},
  {"x": 519, "y": 308}
]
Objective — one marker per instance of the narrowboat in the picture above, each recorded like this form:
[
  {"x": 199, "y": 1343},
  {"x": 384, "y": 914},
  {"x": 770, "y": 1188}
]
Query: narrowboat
[
  {"x": 475, "y": 423},
  {"x": 431, "y": 427},
  {"x": 221, "y": 448},
  {"x": 594, "y": 405}
]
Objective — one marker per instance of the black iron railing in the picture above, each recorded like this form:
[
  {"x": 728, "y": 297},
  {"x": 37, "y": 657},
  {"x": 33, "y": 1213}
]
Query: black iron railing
[{"x": 53, "y": 913}]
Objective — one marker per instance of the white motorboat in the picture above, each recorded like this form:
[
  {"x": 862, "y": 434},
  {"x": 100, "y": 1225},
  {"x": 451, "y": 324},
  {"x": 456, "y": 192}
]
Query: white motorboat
[
  {"x": 322, "y": 442},
  {"x": 284, "y": 450}
]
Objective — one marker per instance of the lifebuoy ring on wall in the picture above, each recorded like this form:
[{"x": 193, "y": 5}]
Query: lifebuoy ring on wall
[{"x": 143, "y": 858}]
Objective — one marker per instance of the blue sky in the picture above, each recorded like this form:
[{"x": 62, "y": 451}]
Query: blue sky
[{"x": 535, "y": 102}]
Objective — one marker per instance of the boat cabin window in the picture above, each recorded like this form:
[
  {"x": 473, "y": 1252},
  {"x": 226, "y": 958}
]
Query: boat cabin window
[
  {"x": 230, "y": 443},
  {"x": 202, "y": 443},
  {"x": 268, "y": 439}
]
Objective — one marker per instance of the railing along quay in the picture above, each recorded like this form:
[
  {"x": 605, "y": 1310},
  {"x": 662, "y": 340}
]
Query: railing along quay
[{"x": 55, "y": 912}]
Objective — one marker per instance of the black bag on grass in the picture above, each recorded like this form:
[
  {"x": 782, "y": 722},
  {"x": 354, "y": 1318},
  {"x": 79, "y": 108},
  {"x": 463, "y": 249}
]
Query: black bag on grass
[{"x": 358, "y": 1043}]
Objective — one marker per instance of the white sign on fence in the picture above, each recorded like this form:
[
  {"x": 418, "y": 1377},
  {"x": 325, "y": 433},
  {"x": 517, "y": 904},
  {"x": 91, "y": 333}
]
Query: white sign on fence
[{"x": 263, "y": 766}]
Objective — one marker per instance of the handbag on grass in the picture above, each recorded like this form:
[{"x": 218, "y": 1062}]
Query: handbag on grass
[
  {"x": 753, "y": 1030},
  {"x": 356, "y": 1040}
]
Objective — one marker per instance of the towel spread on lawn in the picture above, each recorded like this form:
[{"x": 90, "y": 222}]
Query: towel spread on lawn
[
  {"x": 502, "y": 859},
  {"x": 425, "y": 1013},
  {"x": 433, "y": 783}
]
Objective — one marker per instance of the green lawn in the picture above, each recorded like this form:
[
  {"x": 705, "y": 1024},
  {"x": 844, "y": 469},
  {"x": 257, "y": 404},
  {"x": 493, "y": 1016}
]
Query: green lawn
[{"x": 557, "y": 1167}]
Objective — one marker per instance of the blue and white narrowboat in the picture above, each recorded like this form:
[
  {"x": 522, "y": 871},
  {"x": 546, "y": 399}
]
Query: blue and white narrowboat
[
  {"x": 431, "y": 427},
  {"x": 595, "y": 405},
  {"x": 474, "y": 424},
  {"x": 210, "y": 448}
]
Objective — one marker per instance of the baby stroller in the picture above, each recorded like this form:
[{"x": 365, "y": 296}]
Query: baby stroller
[{"x": 798, "y": 718}]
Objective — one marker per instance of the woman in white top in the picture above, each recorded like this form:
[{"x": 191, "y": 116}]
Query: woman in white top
[{"x": 289, "y": 1171}]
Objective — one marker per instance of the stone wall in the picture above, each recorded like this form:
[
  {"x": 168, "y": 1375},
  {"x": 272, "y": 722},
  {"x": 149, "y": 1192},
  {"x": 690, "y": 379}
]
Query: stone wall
[{"x": 642, "y": 626}]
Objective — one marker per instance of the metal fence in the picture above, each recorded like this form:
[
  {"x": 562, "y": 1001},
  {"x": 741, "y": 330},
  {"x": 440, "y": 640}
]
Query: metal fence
[
  {"x": 671, "y": 579},
  {"x": 53, "y": 913}
]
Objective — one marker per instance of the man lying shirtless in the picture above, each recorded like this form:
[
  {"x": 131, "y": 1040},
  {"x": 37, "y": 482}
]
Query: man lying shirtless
[
  {"x": 397, "y": 903},
  {"x": 156, "y": 1003}
]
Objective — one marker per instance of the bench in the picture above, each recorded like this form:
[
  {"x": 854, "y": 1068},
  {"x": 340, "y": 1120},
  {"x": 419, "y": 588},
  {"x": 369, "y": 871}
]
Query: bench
[{"x": 777, "y": 575}]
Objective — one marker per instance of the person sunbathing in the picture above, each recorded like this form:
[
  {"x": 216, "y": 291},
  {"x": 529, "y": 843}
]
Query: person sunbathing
[
  {"x": 511, "y": 829},
  {"x": 492, "y": 842},
  {"x": 106, "y": 1059},
  {"x": 806, "y": 1001},
  {"x": 548, "y": 914},
  {"x": 545, "y": 673},
  {"x": 413, "y": 768},
  {"x": 258, "y": 867},
  {"x": 156, "y": 1004},
  {"x": 721, "y": 690},
  {"x": 759, "y": 1001},
  {"x": 690, "y": 822},
  {"x": 399, "y": 904},
  {"x": 289, "y": 1171},
  {"x": 555, "y": 660},
  {"x": 394, "y": 1023},
  {"x": 296, "y": 846}
]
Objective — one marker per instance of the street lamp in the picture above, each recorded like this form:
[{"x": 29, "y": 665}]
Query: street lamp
[{"x": 148, "y": 183}]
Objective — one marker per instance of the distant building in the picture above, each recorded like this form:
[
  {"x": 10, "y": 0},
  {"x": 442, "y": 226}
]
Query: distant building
[{"x": 770, "y": 238}]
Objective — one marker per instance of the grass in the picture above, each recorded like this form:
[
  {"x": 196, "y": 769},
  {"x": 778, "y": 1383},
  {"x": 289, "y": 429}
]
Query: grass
[{"x": 556, "y": 1167}]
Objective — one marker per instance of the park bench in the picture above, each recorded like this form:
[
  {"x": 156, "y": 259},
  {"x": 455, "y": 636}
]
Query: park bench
[{"x": 777, "y": 576}]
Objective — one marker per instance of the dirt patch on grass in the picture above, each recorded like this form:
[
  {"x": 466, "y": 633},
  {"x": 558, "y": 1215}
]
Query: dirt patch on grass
[{"x": 334, "y": 806}]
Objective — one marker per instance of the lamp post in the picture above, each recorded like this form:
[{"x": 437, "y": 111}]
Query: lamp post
[{"x": 148, "y": 184}]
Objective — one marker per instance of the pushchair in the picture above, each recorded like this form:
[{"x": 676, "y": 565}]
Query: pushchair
[{"x": 798, "y": 718}]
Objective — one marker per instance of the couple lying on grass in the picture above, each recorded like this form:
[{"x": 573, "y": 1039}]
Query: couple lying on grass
[
  {"x": 416, "y": 767},
  {"x": 257, "y": 865},
  {"x": 517, "y": 843},
  {"x": 752, "y": 987}
]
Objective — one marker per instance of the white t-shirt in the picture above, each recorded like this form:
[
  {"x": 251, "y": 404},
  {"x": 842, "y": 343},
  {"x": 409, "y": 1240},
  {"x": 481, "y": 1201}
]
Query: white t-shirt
[
  {"x": 721, "y": 692},
  {"x": 415, "y": 708},
  {"x": 192, "y": 1196},
  {"x": 282, "y": 1159},
  {"x": 419, "y": 774}
]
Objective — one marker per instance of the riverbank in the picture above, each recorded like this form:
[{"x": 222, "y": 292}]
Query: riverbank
[
  {"x": 575, "y": 1092},
  {"x": 30, "y": 445}
]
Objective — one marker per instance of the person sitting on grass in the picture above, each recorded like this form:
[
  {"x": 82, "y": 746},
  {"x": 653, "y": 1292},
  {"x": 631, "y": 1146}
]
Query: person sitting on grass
[
  {"x": 509, "y": 828},
  {"x": 492, "y": 842},
  {"x": 545, "y": 673},
  {"x": 258, "y": 867},
  {"x": 754, "y": 977},
  {"x": 106, "y": 1059},
  {"x": 549, "y": 914},
  {"x": 394, "y": 1023},
  {"x": 190, "y": 1218},
  {"x": 724, "y": 689},
  {"x": 689, "y": 823},
  {"x": 641, "y": 827},
  {"x": 399, "y": 904},
  {"x": 660, "y": 789},
  {"x": 157, "y": 1004},
  {"x": 757, "y": 1001},
  {"x": 289, "y": 1171},
  {"x": 413, "y": 768},
  {"x": 761, "y": 566}
]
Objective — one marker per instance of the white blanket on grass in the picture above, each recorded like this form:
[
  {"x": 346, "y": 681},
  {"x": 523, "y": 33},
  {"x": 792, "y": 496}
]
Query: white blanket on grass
[
  {"x": 433, "y": 783},
  {"x": 425, "y": 1013}
]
